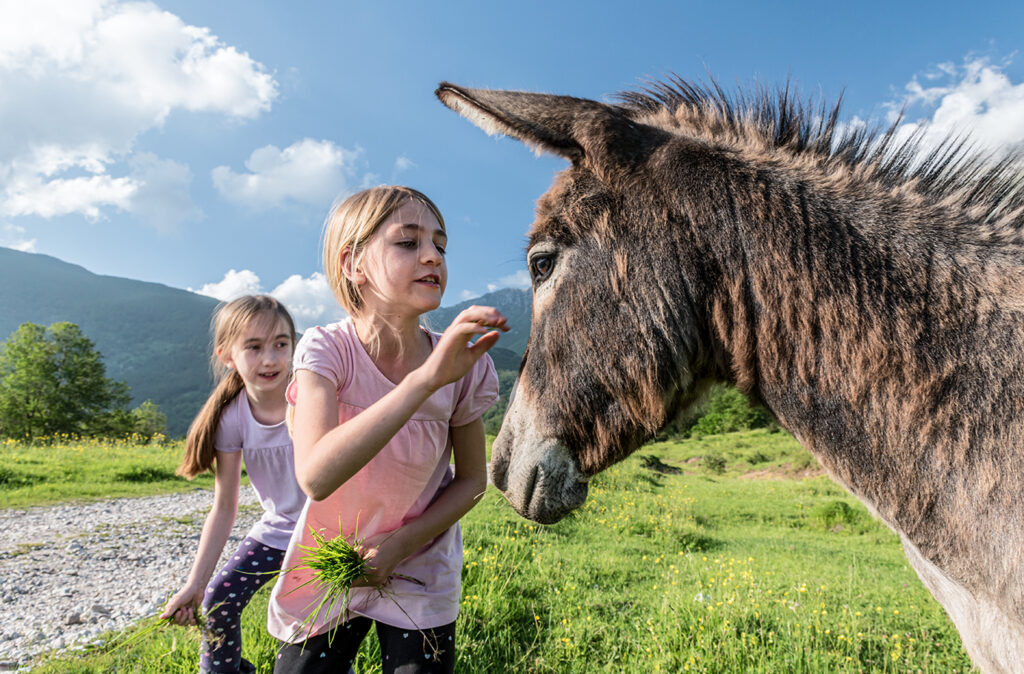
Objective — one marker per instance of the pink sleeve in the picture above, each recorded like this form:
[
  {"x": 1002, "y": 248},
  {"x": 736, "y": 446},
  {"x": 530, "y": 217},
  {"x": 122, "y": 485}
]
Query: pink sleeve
[
  {"x": 229, "y": 430},
  {"x": 477, "y": 391},
  {"x": 320, "y": 352}
]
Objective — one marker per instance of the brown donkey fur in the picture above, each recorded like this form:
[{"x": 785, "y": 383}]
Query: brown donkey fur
[{"x": 871, "y": 296}]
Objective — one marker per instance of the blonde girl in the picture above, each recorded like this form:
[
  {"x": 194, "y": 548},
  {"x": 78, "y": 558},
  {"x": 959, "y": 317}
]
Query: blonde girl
[
  {"x": 381, "y": 405},
  {"x": 244, "y": 418}
]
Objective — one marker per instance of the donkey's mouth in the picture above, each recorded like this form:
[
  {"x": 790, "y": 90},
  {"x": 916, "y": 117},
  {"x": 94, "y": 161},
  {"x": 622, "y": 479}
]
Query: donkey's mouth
[
  {"x": 541, "y": 482},
  {"x": 550, "y": 498}
]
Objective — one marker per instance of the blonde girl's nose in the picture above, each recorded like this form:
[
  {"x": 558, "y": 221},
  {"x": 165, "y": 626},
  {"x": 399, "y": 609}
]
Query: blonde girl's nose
[{"x": 430, "y": 253}]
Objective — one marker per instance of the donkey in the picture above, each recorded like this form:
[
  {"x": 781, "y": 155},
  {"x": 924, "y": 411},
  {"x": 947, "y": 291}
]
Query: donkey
[{"x": 869, "y": 294}]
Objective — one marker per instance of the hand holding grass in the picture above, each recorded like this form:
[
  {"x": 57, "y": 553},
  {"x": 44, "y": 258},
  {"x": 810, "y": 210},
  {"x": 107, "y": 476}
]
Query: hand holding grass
[
  {"x": 378, "y": 564},
  {"x": 184, "y": 605}
]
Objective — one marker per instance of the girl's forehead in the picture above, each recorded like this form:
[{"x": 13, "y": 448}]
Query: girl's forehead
[
  {"x": 265, "y": 326},
  {"x": 413, "y": 213}
]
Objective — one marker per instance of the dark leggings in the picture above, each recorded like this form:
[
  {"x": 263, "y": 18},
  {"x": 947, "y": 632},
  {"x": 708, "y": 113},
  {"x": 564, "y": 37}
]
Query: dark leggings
[
  {"x": 251, "y": 567},
  {"x": 402, "y": 651}
]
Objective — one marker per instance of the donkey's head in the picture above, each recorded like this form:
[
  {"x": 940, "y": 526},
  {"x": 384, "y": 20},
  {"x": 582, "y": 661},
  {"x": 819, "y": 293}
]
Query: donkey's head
[{"x": 614, "y": 351}]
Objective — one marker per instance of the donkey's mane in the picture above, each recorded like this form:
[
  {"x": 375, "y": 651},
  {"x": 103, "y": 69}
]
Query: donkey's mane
[{"x": 988, "y": 187}]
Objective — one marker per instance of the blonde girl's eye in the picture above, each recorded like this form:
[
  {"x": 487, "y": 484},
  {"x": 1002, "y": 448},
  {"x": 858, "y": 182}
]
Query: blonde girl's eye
[{"x": 440, "y": 249}]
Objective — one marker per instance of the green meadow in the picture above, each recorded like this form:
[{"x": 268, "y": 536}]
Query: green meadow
[
  {"x": 58, "y": 470},
  {"x": 728, "y": 553}
]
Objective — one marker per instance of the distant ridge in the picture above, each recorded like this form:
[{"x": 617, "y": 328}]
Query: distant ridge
[
  {"x": 516, "y": 304},
  {"x": 153, "y": 336}
]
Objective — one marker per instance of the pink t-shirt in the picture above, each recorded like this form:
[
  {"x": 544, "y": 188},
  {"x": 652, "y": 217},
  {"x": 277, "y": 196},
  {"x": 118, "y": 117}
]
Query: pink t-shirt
[
  {"x": 396, "y": 486},
  {"x": 270, "y": 465}
]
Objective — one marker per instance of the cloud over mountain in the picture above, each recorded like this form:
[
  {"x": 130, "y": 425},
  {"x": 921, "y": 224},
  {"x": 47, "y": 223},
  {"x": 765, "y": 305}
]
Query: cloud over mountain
[{"x": 309, "y": 300}]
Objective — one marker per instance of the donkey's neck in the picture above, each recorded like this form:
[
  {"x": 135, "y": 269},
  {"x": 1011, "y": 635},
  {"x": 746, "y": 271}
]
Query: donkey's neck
[{"x": 883, "y": 349}]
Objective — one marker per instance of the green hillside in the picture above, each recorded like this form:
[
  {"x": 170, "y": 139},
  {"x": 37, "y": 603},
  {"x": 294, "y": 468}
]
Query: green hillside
[{"x": 152, "y": 336}]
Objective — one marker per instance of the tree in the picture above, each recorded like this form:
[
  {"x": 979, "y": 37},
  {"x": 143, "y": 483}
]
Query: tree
[
  {"x": 52, "y": 381},
  {"x": 149, "y": 420}
]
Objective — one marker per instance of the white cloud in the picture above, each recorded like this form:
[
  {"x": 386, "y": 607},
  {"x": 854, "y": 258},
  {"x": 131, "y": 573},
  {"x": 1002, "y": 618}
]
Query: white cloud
[
  {"x": 468, "y": 295},
  {"x": 31, "y": 195},
  {"x": 13, "y": 236},
  {"x": 976, "y": 98},
  {"x": 234, "y": 284},
  {"x": 83, "y": 79},
  {"x": 309, "y": 300},
  {"x": 403, "y": 163},
  {"x": 307, "y": 171},
  {"x": 520, "y": 279}
]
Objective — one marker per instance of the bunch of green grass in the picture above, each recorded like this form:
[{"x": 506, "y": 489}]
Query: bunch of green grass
[
  {"x": 149, "y": 626},
  {"x": 336, "y": 564}
]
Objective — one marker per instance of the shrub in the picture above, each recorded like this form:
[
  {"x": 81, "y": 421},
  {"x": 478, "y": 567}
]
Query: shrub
[
  {"x": 831, "y": 513},
  {"x": 12, "y": 479},
  {"x": 146, "y": 474},
  {"x": 728, "y": 410},
  {"x": 804, "y": 460},
  {"x": 715, "y": 463}
]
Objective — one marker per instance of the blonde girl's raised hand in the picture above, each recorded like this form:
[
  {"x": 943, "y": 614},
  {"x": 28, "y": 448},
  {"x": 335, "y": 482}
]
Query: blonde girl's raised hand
[{"x": 453, "y": 355}]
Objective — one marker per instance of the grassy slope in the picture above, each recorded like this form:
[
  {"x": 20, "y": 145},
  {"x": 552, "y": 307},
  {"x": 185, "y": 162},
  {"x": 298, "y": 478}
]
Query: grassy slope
[
  {"x": 694, "y": 571},
  {"x": 89, "y": 470}
]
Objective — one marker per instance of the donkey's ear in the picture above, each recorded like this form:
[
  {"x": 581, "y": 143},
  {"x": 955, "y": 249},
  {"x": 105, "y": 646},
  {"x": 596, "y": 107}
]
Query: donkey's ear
[{"x": 546, "y": 123}]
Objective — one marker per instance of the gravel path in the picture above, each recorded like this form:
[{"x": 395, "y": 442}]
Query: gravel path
[{"x": 71, "y": 572}]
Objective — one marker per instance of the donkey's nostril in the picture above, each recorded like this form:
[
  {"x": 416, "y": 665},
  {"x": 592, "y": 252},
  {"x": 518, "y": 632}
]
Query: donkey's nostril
[{"x": 531, "y": 487}]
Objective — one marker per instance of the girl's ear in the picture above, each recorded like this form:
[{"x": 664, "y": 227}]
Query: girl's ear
[
  {"x": 225, "y": 357},
  {"x": 351, "y": 271}
]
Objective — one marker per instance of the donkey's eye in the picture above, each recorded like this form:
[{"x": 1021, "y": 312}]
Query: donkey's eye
[{"x": 540, "y": 267}]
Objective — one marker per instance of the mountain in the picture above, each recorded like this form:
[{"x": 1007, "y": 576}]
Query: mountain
[
  {"x": 517, "y": 306},
  {"x": 152, "y": 336},
  {"x": 157, "y": 338}
]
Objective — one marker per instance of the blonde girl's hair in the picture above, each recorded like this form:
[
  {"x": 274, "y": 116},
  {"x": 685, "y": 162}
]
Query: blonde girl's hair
[
  {"x": 351, "y": 224},
  {"x": 228, "y": 325}
]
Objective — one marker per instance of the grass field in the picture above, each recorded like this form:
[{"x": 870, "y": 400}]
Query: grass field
[
  {"x": 742, "y": 561},
  {"x": 89, "y": 470}
]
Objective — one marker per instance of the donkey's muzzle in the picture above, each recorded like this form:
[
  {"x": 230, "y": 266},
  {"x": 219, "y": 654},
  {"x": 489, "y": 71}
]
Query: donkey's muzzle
[{"x": 539, "y": 480}]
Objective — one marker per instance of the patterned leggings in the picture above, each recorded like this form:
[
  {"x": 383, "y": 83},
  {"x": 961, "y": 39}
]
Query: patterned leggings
[
  {"x": 228, "y": 593},
  {"x": 402, "y": 651}
]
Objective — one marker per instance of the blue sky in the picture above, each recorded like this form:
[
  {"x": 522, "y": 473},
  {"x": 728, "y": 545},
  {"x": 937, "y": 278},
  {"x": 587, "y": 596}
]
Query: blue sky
[{"x": 200, "y": 144}]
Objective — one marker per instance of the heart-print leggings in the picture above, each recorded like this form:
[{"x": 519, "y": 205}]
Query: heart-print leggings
[
  {"x": 402, "y": 651},
  {"x": 251, "y": 567}
]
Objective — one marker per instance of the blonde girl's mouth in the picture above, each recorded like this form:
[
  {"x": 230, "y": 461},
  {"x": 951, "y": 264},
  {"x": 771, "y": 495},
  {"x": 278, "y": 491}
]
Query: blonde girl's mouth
[{"x": 430, "y": 280}]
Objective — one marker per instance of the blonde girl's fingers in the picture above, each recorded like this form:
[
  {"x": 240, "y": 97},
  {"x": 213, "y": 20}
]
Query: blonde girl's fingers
[
  {"x": 466, "y": 330},
  {"x": 488, "y": 316},
  {"x": 484, "y": 344}
]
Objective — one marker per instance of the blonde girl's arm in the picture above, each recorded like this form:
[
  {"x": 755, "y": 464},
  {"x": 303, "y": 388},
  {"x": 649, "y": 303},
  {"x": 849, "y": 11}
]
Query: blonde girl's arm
[
  {"x": 328, "y": 454},
  {"x": 458, "y": 498},
  {"x": 216, "y": 529}
]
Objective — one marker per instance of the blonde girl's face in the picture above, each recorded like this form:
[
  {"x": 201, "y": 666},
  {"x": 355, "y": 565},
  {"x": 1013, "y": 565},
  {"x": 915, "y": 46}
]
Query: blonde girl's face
[
  {"x": 403, "y": 270},
  {"x": 262, "y": 356}
]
